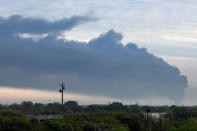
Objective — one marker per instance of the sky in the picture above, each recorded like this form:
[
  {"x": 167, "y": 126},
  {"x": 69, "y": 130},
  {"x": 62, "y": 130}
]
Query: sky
[{"x": 159, "y": 29}]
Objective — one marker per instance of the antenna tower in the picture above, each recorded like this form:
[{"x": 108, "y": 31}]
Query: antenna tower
[{"x": 62, "y": 88}]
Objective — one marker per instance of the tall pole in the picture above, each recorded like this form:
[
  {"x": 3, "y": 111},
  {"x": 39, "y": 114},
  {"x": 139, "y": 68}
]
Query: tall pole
[
  {"x": 62, "y": 88},
  {"x": 62, "y": 97},
  {"x": 160, "y": 124},
  {"x": 148, "y": 120}
]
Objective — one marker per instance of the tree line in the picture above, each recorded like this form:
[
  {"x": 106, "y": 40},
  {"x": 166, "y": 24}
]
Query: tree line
[
  {"x": 112, "y": 117},
  {"x": 73, "y": 107}
]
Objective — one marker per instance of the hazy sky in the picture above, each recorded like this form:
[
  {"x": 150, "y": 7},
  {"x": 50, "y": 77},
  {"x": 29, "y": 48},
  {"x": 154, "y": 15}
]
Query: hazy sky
[{"x": 166, "y": 28}]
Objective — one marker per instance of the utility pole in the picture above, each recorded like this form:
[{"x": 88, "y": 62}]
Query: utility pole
[
  {"x": 148, "y": 120},
  {"x": 62, "y": 88},
  {"x": 160, "y": 123}
]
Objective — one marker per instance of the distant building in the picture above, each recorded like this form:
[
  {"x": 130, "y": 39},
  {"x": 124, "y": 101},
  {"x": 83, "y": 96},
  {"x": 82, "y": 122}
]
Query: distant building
[
  {"x": 156, "y": 114},
  {"x": 45, "y": 117}
]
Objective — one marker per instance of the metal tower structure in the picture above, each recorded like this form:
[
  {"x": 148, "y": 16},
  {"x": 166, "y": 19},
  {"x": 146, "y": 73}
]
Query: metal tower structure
[{"x": 62, "y": 88}]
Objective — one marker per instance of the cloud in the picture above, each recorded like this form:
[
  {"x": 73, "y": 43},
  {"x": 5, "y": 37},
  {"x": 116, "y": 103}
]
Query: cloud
[
  {"x": 102, "y": 66},
  {"x": 187, "y": 65},
  {"x": 19, "y": 24}
]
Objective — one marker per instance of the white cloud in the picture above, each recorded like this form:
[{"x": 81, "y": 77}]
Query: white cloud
[
  {"x": 142, "y": 21},
  {"x": 34, "y": 37}
]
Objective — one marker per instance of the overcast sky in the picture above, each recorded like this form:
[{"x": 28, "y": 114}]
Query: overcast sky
[{"x": 165, "y": 28}]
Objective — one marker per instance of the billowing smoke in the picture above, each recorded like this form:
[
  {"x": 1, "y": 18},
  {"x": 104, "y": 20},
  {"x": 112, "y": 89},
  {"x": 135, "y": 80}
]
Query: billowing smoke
[
  {"x": 103, "y": 66},
  {"x": 18, "y": 24}
]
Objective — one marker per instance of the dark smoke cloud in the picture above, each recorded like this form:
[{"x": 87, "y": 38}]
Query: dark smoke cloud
[
  {"x": 19, "y": 24},
  {"x": 103, "y": 66}
]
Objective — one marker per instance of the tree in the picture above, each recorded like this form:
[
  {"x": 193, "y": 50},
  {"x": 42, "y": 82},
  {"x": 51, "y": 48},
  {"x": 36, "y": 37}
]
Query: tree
[{"x": 71, "y": 106}]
